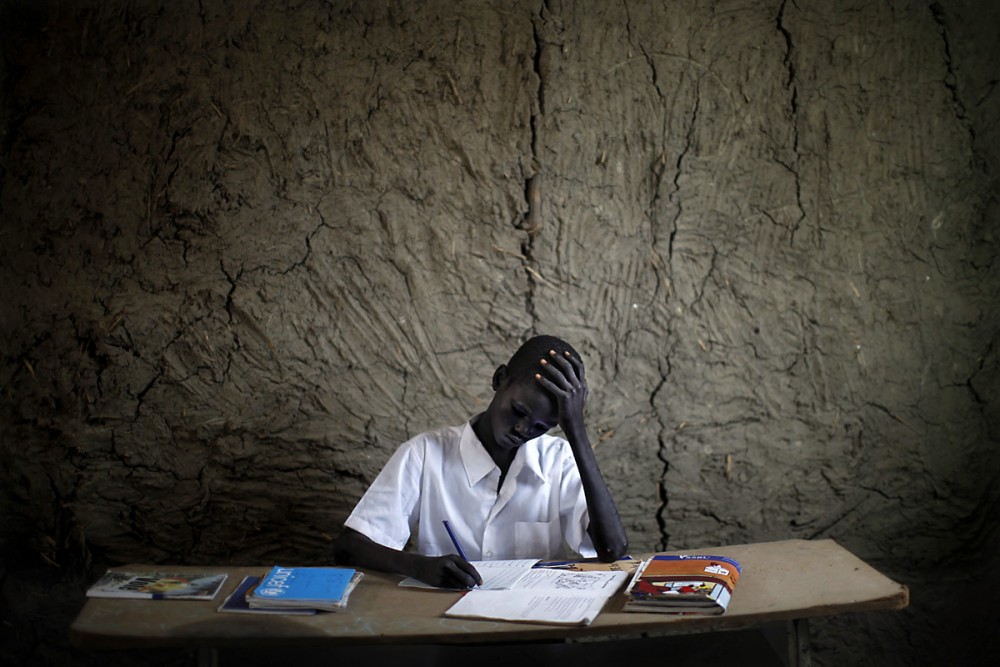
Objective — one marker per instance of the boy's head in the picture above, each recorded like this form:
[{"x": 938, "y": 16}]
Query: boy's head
[
  {"x": 522, "y": 409},
  {"x": 525, "y": 362}
]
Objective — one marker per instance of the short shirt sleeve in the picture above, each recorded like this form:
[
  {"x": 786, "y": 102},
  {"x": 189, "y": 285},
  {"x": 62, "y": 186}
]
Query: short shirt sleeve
[{"x": 389, "y": 511}]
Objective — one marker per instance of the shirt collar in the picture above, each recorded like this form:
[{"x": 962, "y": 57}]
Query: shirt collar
[{"x": 478, "y": 463}]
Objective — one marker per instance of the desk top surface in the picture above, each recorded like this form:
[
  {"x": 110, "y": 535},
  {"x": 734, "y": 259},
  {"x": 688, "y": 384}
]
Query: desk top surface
[{"x": 780, "y": 581}]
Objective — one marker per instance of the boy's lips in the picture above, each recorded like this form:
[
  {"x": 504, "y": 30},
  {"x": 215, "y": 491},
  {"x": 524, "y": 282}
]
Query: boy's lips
[{"x": 515, "y": 440}]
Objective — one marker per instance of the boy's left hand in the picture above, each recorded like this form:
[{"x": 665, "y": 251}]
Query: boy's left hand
[{"x": 563, "y": 376}]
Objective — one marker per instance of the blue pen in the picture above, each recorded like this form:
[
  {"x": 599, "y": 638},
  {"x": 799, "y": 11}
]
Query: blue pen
[{"x": 454, "y": 540}]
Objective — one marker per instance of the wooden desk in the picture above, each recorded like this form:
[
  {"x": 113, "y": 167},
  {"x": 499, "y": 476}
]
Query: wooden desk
[{"x": 785, "y": 582}]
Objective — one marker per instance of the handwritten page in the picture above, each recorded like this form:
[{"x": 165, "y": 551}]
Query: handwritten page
[
  {"x": 563, "y": 580},
  {"x": 543, "y": 596},
  {"x": 502, "y": 574},
  {"x": 496, "y": 574}
]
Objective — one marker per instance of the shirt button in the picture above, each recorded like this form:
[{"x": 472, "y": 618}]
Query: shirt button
[{"x": 489, "y": 554}]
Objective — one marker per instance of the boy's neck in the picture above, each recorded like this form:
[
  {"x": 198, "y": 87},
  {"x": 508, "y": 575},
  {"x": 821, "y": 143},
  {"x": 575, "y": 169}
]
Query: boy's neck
[{"x": 503, "y": 458}]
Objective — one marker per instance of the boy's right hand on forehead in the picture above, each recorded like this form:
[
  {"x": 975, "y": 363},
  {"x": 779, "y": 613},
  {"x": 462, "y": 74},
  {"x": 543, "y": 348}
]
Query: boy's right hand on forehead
[
  {"x": 449, "y": 571},
  {"x": 563, "y": 375}
]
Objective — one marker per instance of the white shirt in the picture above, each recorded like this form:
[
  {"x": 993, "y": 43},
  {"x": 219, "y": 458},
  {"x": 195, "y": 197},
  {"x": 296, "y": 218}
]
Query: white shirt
[{"x": 540, "y": 512}]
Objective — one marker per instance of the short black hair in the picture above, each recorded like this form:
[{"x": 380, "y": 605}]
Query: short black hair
[{"x": 524, "y": 363}]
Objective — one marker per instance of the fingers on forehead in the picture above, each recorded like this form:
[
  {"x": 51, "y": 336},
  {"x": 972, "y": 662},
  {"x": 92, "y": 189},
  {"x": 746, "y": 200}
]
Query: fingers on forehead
[{"x": 566, "y": 360}]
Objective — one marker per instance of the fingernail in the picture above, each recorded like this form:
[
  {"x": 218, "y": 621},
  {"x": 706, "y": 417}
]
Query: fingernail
[
  {"x": 538, "y": 376},
  {"x": 552, "y": 352},
  {"x": 544, "y": 362}
]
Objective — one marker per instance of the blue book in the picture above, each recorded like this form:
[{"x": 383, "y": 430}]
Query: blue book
[
  {"x": 325, "y": 588},
  {"x": 237, "y": 601}
]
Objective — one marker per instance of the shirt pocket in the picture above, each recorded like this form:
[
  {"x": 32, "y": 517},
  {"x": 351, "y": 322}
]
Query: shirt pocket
[{"x": 536, "y": 539}]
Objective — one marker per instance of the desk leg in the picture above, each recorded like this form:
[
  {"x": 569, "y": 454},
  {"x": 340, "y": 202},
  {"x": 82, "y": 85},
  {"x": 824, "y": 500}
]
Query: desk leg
[
  {"x": 799, "y": 648},
  {"x": 790, "y": 640},
  {"x": 208, "y": 657}
]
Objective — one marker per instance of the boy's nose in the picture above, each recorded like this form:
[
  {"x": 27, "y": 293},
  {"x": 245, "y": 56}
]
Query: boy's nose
[{"x": 521, "y": 428}]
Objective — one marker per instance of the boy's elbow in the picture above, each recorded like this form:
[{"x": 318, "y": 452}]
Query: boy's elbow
[
  {"x": 340, "y": 554},
  {"x": 343, "y": 547},
  {"x": 612, "y": 552}
]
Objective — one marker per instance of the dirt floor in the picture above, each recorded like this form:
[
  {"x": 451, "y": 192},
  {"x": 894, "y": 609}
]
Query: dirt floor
[{"x": 248, "y": 248}]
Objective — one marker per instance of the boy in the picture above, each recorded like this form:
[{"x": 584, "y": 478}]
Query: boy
[{"x": 508, "y": 489}]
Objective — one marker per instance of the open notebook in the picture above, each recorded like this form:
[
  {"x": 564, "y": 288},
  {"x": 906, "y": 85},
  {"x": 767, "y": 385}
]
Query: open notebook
[{"x": 514, "y": 590}]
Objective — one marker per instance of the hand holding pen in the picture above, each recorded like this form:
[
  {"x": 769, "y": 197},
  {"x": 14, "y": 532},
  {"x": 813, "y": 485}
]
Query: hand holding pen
[{"x": 466, "y": 574}]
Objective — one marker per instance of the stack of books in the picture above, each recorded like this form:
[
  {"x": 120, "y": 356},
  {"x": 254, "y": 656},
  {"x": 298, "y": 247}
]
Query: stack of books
[
  {"x": 294, "y": 590},
  {"x": 683, "y": 585}
]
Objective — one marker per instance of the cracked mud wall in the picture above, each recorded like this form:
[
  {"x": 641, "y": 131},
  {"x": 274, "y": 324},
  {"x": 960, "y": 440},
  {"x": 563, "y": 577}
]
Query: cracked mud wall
[{"x": 247, "y": 250}]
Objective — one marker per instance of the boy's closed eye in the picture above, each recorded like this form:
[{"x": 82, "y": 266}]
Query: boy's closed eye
[{"x": 537, "y": 427}]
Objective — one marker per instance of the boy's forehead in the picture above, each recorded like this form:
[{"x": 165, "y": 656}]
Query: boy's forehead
[{"x": 528, "y": 391}]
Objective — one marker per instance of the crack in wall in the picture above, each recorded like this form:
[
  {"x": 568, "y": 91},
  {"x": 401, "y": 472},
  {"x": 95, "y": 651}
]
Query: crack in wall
[
  {"x": 232, "y": 280},
  {"x": 981, "y": 401},
  {"x": 532, "y": 223},
  {"x": 663, "y": 495},
  {"x": 674, "y": 196},
  {"x": 659, "y": 170},
  {"x": 951, "y": 79},
  {"x": 792, "y": 86},
  {"x": 659, "y": 166}
]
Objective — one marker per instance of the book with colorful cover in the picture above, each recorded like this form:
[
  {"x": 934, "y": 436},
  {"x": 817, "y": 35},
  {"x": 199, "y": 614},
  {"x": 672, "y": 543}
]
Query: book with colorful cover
[
  {"x": 696, "y": 584},
  {"x": 323, "y": 588},
  {"x": 237, "y": 601},
  {"x": 160, "y": 585}
]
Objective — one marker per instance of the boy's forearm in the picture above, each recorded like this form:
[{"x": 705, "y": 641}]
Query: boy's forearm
[
  {"x": 606, "y": 528},
  {"x": 356, "y": 549}
]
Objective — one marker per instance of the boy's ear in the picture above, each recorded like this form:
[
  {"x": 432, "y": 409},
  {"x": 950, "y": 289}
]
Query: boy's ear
[{"x": 499, "y": 375}]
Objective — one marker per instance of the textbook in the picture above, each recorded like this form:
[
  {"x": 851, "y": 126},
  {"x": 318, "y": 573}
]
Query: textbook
[
  {"x": 157, "y": 585},
  {"x": 237, "y": 602},
  {"x": 543, "y": 595},
  {"x": 698, "y": 584},
  {"x": 322, "y": 588}
]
